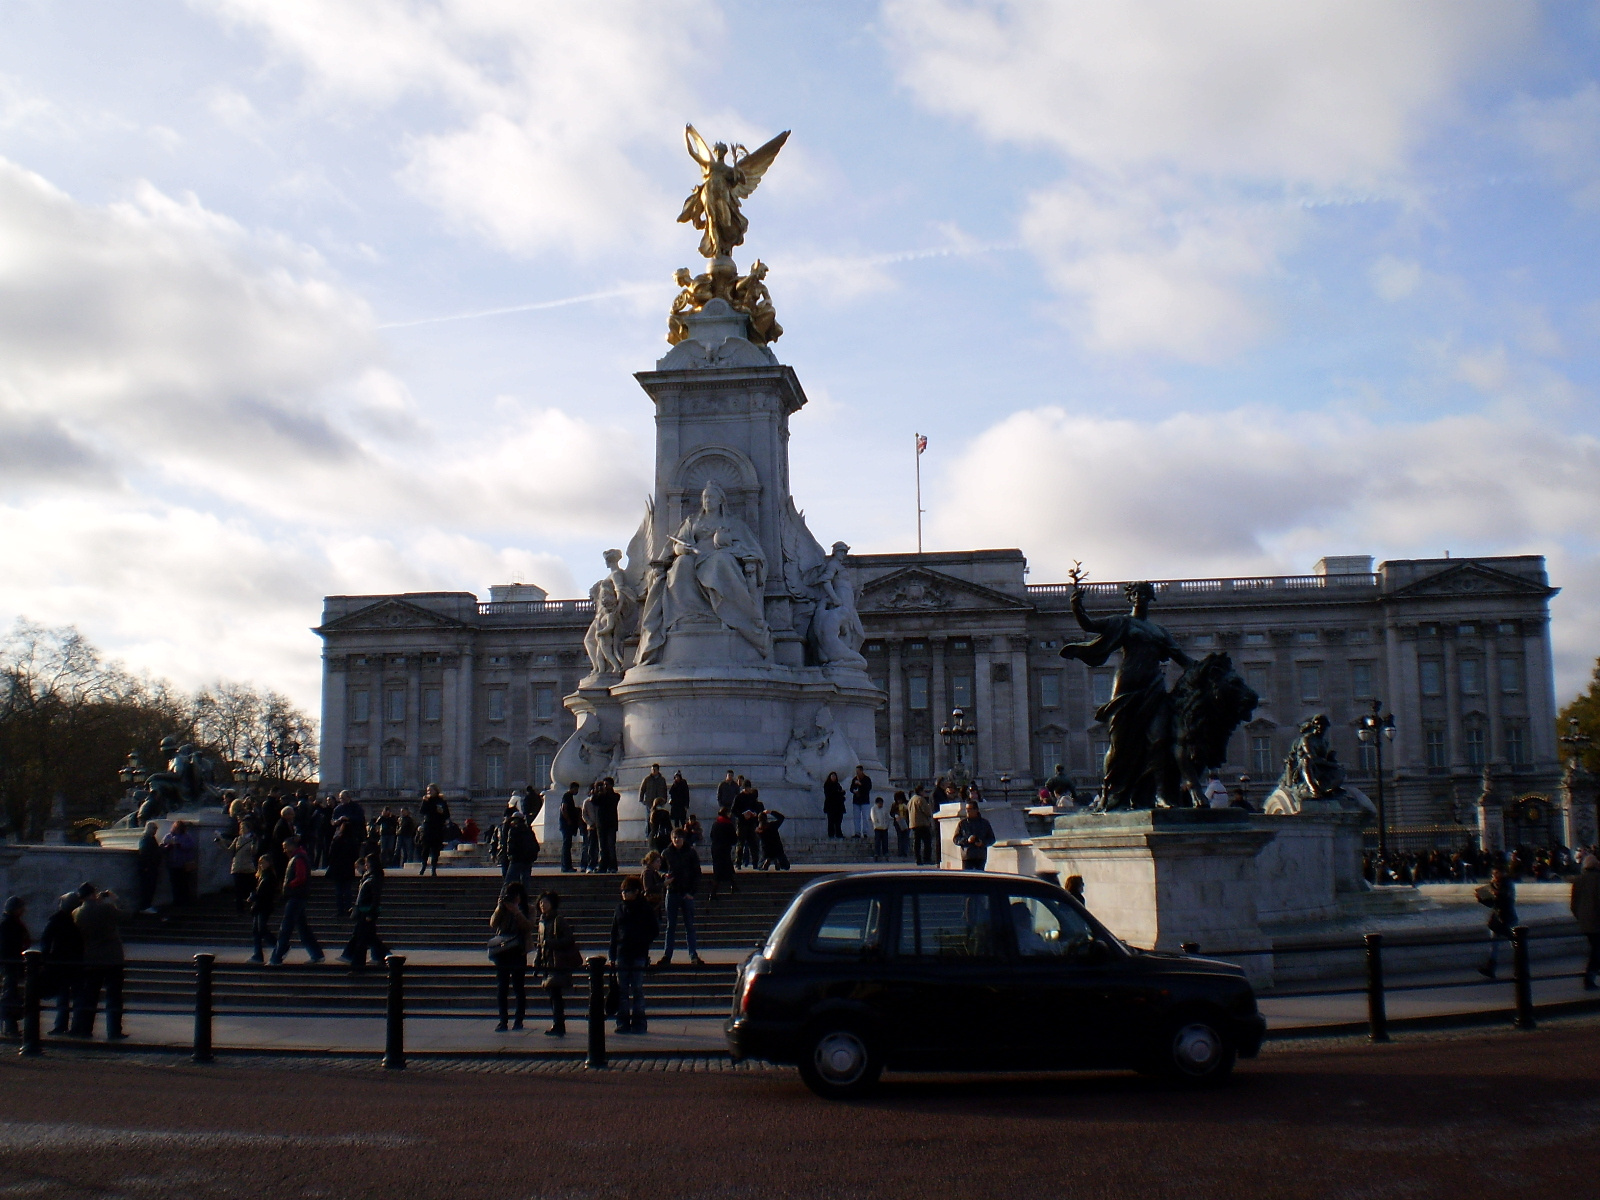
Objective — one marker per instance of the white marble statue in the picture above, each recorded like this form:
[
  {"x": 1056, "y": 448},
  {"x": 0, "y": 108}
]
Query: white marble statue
[
  {"x": 615, "y": 602},
  {"x": 836, "y": 633},
  {"x": 718, "y": 573}
]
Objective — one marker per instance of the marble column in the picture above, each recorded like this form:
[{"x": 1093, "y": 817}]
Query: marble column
[
  {"x": 983, "y": 699},
  {"x": 335, "y": 709},
  {"x": 1538, "y": 672},
  {"x": 1021, "y": 713},
  {"x": 898, "y": 769},
  {"x": 463, "y": 720},
  {"x": 939, "y": 708},
  {"x": 413, "y": 759},
  {"x": 1452, "y": 707}
]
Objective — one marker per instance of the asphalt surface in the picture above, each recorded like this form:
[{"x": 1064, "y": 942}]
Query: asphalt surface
[{"x": 1429, "y": 1116}]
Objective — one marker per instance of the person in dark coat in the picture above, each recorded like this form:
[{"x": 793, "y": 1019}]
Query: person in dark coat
[
  {"x": 343, "y": 854},
  {"x": 1586, "y": 912},
  {"x": 727, "y": 790},
  {"x": 723, "y": 837},
  {"x": 861, "y": 800},
  {"x": 1499, "y": 895},
  {"x": 606, "y": 801},
  {"x": 634, "y": 928},
  {"x": 974, "y": 835},
  {"x": 570, "y": 819},
  {"x": 681, "y": 865},
  {"x": 747, "y": 816},
  {"x": 263, "y": 900},
  {"x": 772, "y": 852},
  {"x": 15, "y": 940},
  {"x": 512, "y": 926},
  {"x": 151, "y": 859},
  {"x": 62, "y": 947},
  {"x": 678, "y": 798},
  {"x": 435, "y": 815},
  {"x": 369, "y": 903},
  {"x": 833, "y": 804},
  {"x": 98, "y": 917}
]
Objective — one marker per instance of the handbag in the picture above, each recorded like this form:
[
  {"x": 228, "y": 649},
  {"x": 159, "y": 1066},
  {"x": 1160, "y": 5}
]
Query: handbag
[
  {"x": 613, "y": 995},
  {"x": 500, "y": 943},
  {"x": 1485, "y": 894}
]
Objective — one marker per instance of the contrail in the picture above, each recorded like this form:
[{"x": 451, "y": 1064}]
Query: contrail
[{"x": 800, "y": 268}]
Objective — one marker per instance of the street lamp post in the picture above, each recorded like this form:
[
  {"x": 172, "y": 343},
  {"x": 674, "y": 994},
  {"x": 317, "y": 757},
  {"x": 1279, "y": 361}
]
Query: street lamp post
[
  {"x": 958, "y": 735},
  {"x": 1374, "y": 728},
  {"x": 1005, "y": 787}
]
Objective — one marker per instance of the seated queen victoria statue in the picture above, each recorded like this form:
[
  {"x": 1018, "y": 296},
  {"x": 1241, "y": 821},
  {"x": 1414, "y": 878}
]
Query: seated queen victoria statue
[{"x": 718, "y": 573}]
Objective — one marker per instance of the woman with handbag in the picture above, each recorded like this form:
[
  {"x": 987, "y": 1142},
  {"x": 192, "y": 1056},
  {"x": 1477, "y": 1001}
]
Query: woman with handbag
[
  {"x": 508, "y": 950},
  {"x": 558, "y": 957},
  {"x": 1499, "y": 896}
]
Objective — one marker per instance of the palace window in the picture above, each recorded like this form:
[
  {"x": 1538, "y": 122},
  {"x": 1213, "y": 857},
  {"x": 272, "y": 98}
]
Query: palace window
[
  {"x": 959, "y": 646},
  {"x": 1097, "y": 757},
  {"x": 1359, "y": 635},
  {"x": 1255, "y": 639},
  {"x": 1262, "y": 765},
  {"x": 432, "y": 704},
  {"x": 499, "y": 660},
  {"x": 1257, "y": 676},
  {"x": 1204, "y": 639},
  {"x": 917, "y": 692},
  {"x": 360, "y": 705},
  {"x": 355, "y": 767},
  {"x": 539, "y": 769},
  {"x": 429, "y": 762},
  {"x": 1050, "y": 690},
  {"x": 544, "y": 660},
  {"x": 544, "y": 703},
  {"x": 1101, "y": 682},
  {"x": 1466, "y": 630},
  {"x": 1310, "y": 682},
  {"x": 919, "y": 762},
  {"x": 1510, "y": 674},
  {"x": 1516, "y": 738},
  {"x": 394, "y": 771},
  {"x": 1361, "y": 680},
  {"x": 1430, "y": 672},
  {"x": 1367, "y": 757},
  {"x": 1471, "y": 672},
  {"x": 1306, "y": 637},
  {"x": 961, "y": 691},
  {"x": 1506, "y": 628},
  {"x": 1472, "y": 742},
  {"x": 1437, "y": 750},
  {"x": 394, "y": 705},
  {"x": 494, "y": 770},
  {"x": 1049, "y": 756},
  {"x": 497, "y": 704}
]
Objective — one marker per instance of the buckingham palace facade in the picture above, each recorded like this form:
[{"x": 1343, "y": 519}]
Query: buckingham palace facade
[{"x": 442, "y": 687}]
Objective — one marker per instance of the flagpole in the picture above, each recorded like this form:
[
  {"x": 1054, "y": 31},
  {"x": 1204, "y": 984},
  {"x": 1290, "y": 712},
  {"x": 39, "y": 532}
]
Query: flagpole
[{"x": 916, "y": 446}]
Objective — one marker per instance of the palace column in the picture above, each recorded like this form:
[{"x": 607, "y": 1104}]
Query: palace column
[
  {"x": 983, "y": 696},
  {"x": 1021, "y": 736},
  {"x": 335, "y": 705},
  {"x": 939, "y": 709},
  {"x": 897, "y": 712}
]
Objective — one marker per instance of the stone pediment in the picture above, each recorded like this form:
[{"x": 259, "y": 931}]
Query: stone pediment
[
  {"x": 1472, "y": 579},
  {"x": 390, "y": 614},
  {"x": 917, "y": 589}
]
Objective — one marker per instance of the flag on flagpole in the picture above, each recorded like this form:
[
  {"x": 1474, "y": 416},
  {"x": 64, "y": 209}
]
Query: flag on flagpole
[{"x": 922, "y": 443}]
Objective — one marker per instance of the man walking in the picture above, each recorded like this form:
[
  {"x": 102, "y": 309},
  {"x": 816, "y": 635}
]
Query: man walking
[
  {"x": 861, "y": 800},
  {"x": 879, "y": 816},
  {"x": 653, "y": 788},
  {"x": 1586, "y": 911},
  {"x": 633, "y": 930},
  {"x": 920, "y": 812},
  {"x": 974, "y": 836},
  {"x": 296, "y": 895},
  {"x": 682, "y": 867}
]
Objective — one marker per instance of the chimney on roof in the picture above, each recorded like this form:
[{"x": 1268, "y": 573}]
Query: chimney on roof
[
  {"x": 1344, "y": 564},
  {"x": 512, "y": 593}
]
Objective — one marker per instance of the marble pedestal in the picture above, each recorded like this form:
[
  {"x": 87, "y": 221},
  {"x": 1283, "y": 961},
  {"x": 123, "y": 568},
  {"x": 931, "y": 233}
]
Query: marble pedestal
[
  {"x": 1162, "y": 877},
  {"x": 1313, "y": 860}
]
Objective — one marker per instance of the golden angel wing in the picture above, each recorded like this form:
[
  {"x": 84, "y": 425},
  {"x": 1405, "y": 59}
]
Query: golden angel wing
[
  {"x": 754, "y": 165},
  {"x": 698, "y": 150}
]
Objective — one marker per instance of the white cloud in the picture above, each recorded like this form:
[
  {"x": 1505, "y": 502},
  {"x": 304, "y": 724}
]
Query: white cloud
[
  {"x": 1191, "y": 135},
  {"x": 1395, "y": 278},
  {"x": 200, "y": 436},
  {"x": 1250, "y": 491},
  {"x": 547, "y": 104}
]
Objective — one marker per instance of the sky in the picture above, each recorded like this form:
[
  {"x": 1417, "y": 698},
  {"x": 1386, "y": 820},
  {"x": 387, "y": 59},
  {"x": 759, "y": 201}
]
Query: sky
[{"x": 310, "y": 297}]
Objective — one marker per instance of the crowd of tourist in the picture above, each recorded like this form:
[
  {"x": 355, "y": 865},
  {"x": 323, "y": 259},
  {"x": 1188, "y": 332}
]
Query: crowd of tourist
[{"x": 1471, "y": 865}]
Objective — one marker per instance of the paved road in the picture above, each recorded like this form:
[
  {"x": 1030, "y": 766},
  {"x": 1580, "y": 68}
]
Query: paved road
[{"x": 1445, "y": 1116}]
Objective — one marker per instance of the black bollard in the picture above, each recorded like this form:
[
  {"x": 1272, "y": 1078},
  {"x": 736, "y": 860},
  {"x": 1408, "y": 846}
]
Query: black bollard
[
  {"x": 597, "y": 1013},
  {"x": 1377, "y": 1010},
  {"x": 1189, "y": 947},
  {"x": 32, "y": 968},
  {"x": 203, "y": 966},
  {"x": 394, "y": 1042},
  {"x": 1522, "y": 977}
]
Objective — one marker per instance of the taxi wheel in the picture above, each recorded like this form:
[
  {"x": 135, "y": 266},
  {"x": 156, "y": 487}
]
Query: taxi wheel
[
  {"x": 1197, "y": 1052},
  {"x": 839, "y": 1062}
]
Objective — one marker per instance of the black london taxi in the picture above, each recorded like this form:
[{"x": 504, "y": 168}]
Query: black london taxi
[{"x": 966, "y": 970}]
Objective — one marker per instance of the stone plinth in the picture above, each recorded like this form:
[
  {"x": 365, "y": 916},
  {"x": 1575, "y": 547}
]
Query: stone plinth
[
  {"x": 1313, "y": 860},
  {"x": 1162, "y": 877},
  {"x": 215, "y": 861}
]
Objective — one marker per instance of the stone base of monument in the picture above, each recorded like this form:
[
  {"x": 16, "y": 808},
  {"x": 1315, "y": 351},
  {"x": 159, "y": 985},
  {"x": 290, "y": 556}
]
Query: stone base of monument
[
  {"x": 1161, "y": 877},
  {"x": 215, "y": 860}
]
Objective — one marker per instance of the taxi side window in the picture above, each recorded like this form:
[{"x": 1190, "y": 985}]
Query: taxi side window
[
  {"x": 947, "y": 925},
  {"x": 1047, "y": 928},
  {"x": 851, "y": 927}
]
